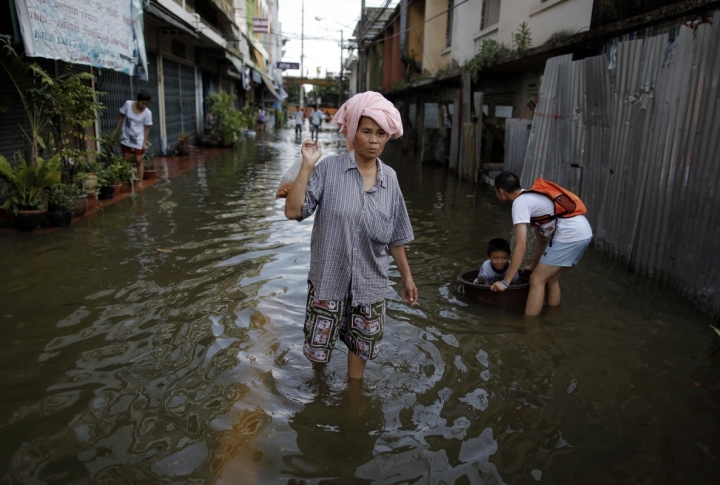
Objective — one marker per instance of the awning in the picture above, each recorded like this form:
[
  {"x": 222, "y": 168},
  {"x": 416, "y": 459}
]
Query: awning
[
  {"x": 152, "y": 10},
  {"x": 270, "y": 86},
  {"x": 236, "y": 62}
]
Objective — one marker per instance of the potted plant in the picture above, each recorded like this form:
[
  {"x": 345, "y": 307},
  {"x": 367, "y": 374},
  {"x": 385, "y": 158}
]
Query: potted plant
[
  {"x": 124, "y": 172},
  {"x": 184, "y": 144},
  {"x": 62, "y": 201},
  {"x": 25, "y": 185},
  {"x": 149, "y": 163},
  {"x": 106, "y": 178}
]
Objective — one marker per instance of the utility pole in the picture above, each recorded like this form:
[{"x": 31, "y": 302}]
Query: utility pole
[
  {"x": 342, "y": 68},
  {"x": 302, "y": 52}
]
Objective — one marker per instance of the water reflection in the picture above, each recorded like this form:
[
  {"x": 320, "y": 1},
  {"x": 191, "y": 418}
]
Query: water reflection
[{"x": 161, "y": 342}]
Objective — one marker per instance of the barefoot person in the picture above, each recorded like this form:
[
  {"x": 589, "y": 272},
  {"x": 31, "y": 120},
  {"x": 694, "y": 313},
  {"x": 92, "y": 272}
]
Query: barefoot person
[
  {"x": 135, "y": 120},
  {"x": 360, "y": 221},
  {"x": 560, "y": 242}
]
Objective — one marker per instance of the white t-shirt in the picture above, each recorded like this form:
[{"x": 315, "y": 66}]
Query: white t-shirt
[
  {"x": 564, "y": 230},
  {"x": 133, "y": 126},
  {"x": 299, "y": 117},
  {"x": 316, "y": 117}
]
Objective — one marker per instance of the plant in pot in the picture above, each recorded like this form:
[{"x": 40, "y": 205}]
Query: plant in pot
[
  {"x": 124, "y": 172},
  {"x": 183, "y": 147},
  {"x": 231, "y": 126},
  {"x": 62, "y": 201},
  {"x": 106, "y": 180},
  {"x": 25, "y": 186},
  {"x": 149, "y": 163}
]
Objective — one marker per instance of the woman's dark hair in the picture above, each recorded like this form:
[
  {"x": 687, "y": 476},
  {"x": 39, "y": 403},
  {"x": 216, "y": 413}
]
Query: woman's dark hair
[
  {"x": 498, "y": 244},
  {"x": 507, "y": 181},
  {"x": 143, "y": 95}
]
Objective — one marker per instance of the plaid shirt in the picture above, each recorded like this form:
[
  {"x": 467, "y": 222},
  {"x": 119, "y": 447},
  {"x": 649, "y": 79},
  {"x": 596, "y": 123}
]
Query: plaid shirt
[{"x": 353, "y": 229}]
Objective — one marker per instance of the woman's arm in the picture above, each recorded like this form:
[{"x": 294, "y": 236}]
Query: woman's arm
[
  {"x": 296, "y": 197},
  {"x": 119, "y": 123},
  {"x": 147, "y": 135},
  {"x": 411, "y": 293}
]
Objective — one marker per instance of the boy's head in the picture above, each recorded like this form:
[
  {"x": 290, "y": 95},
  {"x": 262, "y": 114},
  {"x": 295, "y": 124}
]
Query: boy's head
[
  {"x": 143, "y": 99},
  {"x": 507, "y": 187},
  {"x": 498, "y": 252}
]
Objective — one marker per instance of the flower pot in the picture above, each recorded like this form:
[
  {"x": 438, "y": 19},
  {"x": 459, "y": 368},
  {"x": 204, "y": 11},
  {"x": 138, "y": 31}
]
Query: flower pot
[
  {"x": 91, "y": 182},
  {"x": 183, "y": 150},
  {"x": 81, "y": 206},
  {"x": 28, "y": 221},
  {"x": 214, "y": 143},
  {"x": 106, "y": 193},
  {"x": 60, "y": 218},
  {"x": 149, "y": 174},
  {"x": 91, "y": 198},
  {"x": 117, "y": 187},
  {"x": 126, "y": 188}
]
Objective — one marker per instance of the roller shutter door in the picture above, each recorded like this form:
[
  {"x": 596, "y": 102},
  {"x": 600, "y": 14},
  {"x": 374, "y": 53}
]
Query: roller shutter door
[
  {"x": 117, "y": 88},
  {"x": 189, "y": 106},
  {"x": 10, "y": 135},
  {"x": 173, "y": 101}
]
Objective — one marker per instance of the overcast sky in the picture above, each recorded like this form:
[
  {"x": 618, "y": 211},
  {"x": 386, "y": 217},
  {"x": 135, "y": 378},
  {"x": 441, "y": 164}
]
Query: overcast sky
[{"x": 322, "y": 38}]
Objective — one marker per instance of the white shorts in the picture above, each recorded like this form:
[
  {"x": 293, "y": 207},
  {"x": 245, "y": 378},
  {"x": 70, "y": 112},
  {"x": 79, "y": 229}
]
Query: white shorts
[{"x": 564, "y": 254}]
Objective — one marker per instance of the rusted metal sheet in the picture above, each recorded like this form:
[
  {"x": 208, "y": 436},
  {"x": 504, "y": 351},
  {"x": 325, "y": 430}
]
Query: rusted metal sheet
[{"x": 634, "y": 133}]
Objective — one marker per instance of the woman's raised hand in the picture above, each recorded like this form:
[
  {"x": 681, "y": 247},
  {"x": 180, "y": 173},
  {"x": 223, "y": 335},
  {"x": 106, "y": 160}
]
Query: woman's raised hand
[{"x": 311, "y": 152}]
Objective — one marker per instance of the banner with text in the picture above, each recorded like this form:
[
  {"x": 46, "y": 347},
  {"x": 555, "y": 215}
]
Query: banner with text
[{"x": 100, "y": 33}]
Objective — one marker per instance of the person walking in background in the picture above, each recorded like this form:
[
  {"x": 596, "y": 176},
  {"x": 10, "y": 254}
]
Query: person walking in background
[
  {"x": 561, "y": 241},
  {"x": 299, "y": 118},
  {"x": 261, "y": 118},
  {"x": 134, "y": 122},
  {"x": 316, "y": 118},
  {"x": 360, "y": 221}
]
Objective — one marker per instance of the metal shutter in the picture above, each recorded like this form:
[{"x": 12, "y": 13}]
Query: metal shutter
[
  {"x": 117, "y": 88},
  {"x": 187, "y": 89},
  {"x": 11, "y": 140},
  {"x": 173, "y": 101}
]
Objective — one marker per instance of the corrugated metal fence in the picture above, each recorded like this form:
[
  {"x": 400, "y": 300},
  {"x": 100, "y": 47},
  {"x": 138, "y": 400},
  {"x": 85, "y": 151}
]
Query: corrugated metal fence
[{"x": 635, "y": 134}]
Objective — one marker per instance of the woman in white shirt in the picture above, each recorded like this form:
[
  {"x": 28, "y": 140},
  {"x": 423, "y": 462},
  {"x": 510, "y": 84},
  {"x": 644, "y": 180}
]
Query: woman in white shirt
[{"x": 135, "y": 120}]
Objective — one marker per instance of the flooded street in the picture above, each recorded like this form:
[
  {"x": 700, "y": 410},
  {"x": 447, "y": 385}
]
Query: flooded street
[{"x": 160, "y": 341}]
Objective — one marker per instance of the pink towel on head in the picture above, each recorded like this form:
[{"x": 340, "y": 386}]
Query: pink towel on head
[{"x": 374, "y": 106}]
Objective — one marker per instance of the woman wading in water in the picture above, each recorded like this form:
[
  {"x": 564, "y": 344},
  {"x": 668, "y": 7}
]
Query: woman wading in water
[{"x": 360, "y": 221}]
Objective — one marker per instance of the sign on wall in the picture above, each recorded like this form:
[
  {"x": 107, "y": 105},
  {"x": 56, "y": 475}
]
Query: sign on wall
[
  {"x": 260, "y": 25},
  {"x": 287, "y": 65},
  {"x": 100, "y": 33}
]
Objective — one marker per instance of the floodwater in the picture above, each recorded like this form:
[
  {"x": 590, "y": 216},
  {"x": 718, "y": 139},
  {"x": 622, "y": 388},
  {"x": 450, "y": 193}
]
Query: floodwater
[{"x": 120, "y": 363}]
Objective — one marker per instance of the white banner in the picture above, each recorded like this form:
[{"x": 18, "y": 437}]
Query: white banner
[{"x": 99, "y": 33}]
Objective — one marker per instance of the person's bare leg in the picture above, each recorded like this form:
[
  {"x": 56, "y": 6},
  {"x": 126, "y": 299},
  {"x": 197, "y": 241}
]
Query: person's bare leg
[
  {"x": 140, "y": 168},
  {"x": 553, "y": 287},
  {"x": 539, "y": 278},
  {"x": 319, "y": 366},
  {"x": 356, "y": 366}
]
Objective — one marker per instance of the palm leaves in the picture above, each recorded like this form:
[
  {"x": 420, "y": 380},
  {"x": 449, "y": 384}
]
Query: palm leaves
[{"x": 26, "y": 183}]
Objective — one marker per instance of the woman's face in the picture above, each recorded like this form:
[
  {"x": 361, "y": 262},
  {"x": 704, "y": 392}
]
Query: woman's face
[{"x": 370, "y": 139}]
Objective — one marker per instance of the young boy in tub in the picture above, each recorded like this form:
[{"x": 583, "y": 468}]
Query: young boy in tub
[{"x": 496, "y": 266}]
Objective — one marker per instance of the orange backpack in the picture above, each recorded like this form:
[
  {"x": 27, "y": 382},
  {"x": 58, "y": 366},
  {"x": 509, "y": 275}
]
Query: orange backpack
[{"x": 566, "y": 203}]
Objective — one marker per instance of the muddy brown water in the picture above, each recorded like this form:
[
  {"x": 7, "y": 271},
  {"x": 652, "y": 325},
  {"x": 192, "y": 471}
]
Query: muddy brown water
[{"x": 124, "y": 364}]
